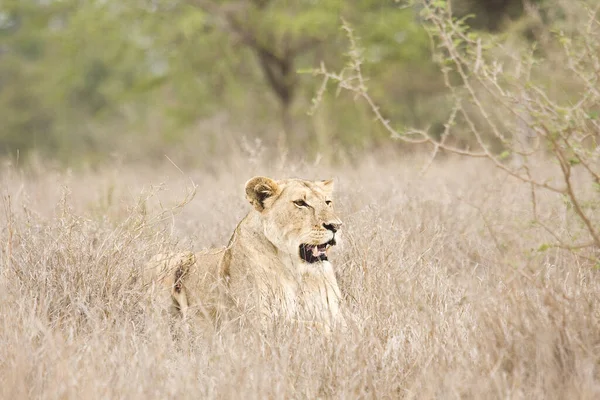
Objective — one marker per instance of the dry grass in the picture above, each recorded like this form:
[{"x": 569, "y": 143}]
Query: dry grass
[{"x": 449, "y": 296}]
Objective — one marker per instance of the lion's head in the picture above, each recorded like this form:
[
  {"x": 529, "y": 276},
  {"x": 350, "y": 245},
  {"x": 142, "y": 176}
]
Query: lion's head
[{"x": 297, "y": 216}]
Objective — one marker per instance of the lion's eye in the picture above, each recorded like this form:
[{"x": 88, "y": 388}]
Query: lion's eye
[
  {"x": 328, "y": 202},
  {"x": 301, "y": 203}
]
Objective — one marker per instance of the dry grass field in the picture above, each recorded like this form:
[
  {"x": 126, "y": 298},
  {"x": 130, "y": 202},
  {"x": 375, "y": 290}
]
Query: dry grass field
[{"x": 446, "y": 291}]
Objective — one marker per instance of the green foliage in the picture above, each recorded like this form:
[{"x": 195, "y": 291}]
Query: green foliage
[
  {"x": 84, "y": 76},
  {"x": 543, "y": 247},
  {"x": 68, "y": 69}
]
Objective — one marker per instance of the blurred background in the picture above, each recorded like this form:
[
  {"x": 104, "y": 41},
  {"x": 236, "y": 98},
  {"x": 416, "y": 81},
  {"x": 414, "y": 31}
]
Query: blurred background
[{"x": 83, "y": 81}]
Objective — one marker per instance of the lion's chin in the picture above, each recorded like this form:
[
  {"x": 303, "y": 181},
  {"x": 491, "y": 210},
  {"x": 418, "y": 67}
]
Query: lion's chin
[{"x": 312, "y": 253}]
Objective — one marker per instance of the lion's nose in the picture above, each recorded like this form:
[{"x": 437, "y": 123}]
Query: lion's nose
[{"x": 333, "y": 226}]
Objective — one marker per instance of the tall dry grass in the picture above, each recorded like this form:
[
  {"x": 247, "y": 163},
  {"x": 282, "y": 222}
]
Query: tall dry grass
[{"x": 448, "y": 295}]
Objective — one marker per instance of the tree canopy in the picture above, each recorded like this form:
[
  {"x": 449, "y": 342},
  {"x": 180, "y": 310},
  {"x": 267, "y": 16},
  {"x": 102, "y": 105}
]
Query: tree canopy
[{"x": 78, "y": 76}]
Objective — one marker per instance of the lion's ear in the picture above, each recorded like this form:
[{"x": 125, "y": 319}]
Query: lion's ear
[
  {"x": 328, "y": 185},
  {"x": 258, "y": 189}
]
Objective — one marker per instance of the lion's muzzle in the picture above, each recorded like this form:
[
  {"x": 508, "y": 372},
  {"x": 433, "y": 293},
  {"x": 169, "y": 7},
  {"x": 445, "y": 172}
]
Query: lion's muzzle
[{"x": 312, "y": 253}]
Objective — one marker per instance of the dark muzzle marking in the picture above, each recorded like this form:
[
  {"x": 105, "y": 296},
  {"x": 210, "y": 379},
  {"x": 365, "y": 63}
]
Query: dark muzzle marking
[{"x": 312, "y": 253}]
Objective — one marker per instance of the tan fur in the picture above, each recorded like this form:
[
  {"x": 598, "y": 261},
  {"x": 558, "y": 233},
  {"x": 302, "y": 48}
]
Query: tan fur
[{"x": 260, "y": 272}]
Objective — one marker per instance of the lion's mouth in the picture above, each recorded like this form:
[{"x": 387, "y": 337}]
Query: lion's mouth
[{"x": 315, "y": 252}]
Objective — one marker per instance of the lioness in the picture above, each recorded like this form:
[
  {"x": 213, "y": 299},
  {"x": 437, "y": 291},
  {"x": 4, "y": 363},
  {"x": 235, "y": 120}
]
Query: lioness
[{"x": 276, "y": 264}]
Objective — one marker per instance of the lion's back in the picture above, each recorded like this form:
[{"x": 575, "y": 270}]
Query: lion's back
[
  {"x": 210, "y": 257},
  {"x": 203, "y": 282}
]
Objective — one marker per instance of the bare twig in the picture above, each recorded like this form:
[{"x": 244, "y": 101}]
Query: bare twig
[{"x": 549, "y": 128}]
